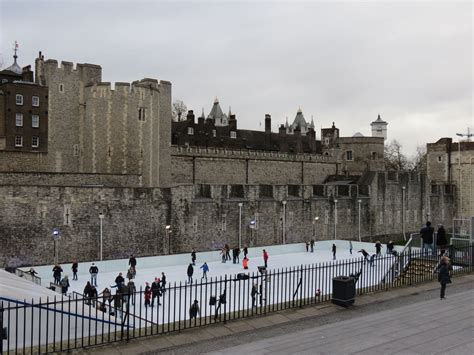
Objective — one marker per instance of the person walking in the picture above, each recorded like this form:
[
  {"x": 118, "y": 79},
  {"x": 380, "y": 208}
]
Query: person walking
[
  {"x": 74, "y": 268},
  {"x": 333, "y": 252},
  {"x": 427, "y": 236},
  {"x": 163, "y": 282},
  {"x": 190, "y": 273},
  {"x": 193, "y": 256},
  {"x": 64, "y": 284},
  {"x": 246, "y": 251},
  {"x": 194, "y": 310},
  {"x": 378, "y": 247},
  {"x": 155, "y": 292},
  {"x": 254, "y": 294},
  {"x": 441, "y": 240},
  {"x": 205, "y": 269},
  {"x": 265, "y": 258},
  {"x": 147, "y": 294},
  {"x": 350, "y": 247},
  {"x": 245, "y": 263},
  {"x": 57, "y": 270},
  {"x": 443, "y": 275},
  {"x": 93, "y": 270},
  {"x": 364, "y": 254},
  {"x": 311, "y": 244}
]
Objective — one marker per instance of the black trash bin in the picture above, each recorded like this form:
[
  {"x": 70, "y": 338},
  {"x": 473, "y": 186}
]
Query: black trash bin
[{"x": 343, "y": 290}]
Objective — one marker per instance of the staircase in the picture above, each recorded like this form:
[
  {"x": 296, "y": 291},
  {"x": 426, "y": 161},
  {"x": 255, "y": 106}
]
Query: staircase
[{"x": 417, "y": 269}]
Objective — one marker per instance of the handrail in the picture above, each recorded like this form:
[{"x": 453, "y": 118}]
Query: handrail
[
  {"x": 397, "y": 268},
  {"x": 27, "y": 275}
]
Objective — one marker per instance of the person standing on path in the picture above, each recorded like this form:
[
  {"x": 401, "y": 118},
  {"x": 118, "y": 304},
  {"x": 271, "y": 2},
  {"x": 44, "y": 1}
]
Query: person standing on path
[
  {"x": 443, "y": 276},
  {"x": 427, "y": 236},
  {"x": 205, "y": 269},
  {"x": 74, "y": 268},
  {"x": 441, "y": 240},
  {"x": 93, "y": 270},
  {"x": 190, "y": 273},
  {"x": 334, "y": 252},
  {"x": 193, "y": 256},
  {"x": 265, "y": 258}
]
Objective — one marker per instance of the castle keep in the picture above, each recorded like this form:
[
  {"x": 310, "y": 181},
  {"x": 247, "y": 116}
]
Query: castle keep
[{"x": 113, "y": 149}]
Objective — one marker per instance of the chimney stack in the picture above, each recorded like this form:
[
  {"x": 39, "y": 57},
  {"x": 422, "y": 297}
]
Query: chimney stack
[{"x": 268, "y": 123}]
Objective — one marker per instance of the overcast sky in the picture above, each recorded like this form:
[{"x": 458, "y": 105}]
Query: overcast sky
[{"x": 340, "y": 61}]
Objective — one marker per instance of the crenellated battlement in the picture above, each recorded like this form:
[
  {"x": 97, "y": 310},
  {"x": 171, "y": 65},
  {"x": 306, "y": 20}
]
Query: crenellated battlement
[
  {"x": 69, "y": 66},
  {"x": 145, "y": 86}
]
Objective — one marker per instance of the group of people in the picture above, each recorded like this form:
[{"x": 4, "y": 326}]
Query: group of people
[{"x": 427, "y": 236}]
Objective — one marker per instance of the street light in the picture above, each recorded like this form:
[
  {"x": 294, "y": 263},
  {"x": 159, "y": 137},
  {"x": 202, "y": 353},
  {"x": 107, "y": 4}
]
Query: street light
[
  {"x": 403, "y": 213},
  {"x": 359, "y": 201},
  {"x": 240, "y": 224},
  {"x": 56, "y": 237},
  {"x": 284, "y": 222},
  {"x": 101, "y": 217},
  {"x": 314, "y": 226},
  {"x": 168, "y": 236},
  {"x": 252, "y": 227},
  {"x": 468, "y": 135},
  {"x": 335, "y": 219}
]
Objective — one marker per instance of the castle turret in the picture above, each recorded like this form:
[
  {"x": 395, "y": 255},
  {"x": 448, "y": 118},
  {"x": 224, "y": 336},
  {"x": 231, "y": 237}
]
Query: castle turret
[
  {"x": 268, "y": 123},
  {"x": 379, "y": 128}
]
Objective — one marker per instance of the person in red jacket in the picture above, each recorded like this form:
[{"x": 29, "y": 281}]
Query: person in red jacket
[
  {"x": 147, "y": 294},
  {"x": 265, "y": 257},
  {"x": 245, "y": 263}
]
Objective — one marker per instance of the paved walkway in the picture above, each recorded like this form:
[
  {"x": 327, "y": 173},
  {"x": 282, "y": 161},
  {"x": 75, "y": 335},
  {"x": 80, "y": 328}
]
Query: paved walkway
[{"x": 409, "y": 320}]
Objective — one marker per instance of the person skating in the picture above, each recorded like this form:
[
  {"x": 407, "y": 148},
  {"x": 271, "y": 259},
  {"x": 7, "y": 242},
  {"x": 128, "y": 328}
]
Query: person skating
[
  {"x": 132, "y": 262},
  {"x": 87, "y": 292},
  {"x": 93, "y": 270},
  {"x": 427, "y": 236},
  {"x": 254, "y": 294},
  {"x": 234, "y": 256},
  {"x": 364, "y": 254},
  {"x": 74, "y": 268},
  {"x": 155, "y": 291},
  {"x": 245, "y": 263},
  {"x": 227, "y": 252},
  {"x": 372, "y": 259},
  {"x": 193, "y": 256},
  {"x": 265, "y": 258},
  {"x": 390, "y": 246},
  {"x": 93, "y": 294},
  {"x": 205, "y": 269},
  {"x": 131, "y": 291},
  {"x": 443, "y": 275},
  {"x": 118, "y": 304},
  {"x": 246, "y": 251},
  {"x": 441, "y": 240},
  {"x": 119, "y": 281},
  {"x": 378, "y": 247},
  {"x": 190, "y": 273},
  {"x": 307, "y": 246},
  {"x": 131, "y": 273},
  {"x": 311, "y": 244},
  {"x": 106, "y": 296},
  {"x": 223, "y": 255},
  {"x": 350, "y": 247},
  {"x": 237, "y": 255},
  {"x": 194, "y": 310},
  {"x": 163, "y": 282},
  {"x": 57, "y": 270},
  {"x": 64, "y": 284},
  {"x": 147, "y": 294},
  {"x": 333, "y": 252}
]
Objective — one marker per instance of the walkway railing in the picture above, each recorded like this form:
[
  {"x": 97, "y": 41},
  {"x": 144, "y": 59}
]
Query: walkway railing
[
  {"x": 61, "y": 324},
  {"x": 27, "y": 275}
]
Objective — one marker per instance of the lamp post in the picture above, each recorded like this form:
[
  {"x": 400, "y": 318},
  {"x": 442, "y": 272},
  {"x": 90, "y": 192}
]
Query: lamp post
[
  {"x": 240, "y": 224},
  {"x": 252, "y": 227},
  {"x": 101, "y": 217},
  {"x": 56, "y": 237},
  {"x": 168, "y": 236},
  {"x": 335, "y": 219},
  {"x": 403, "y": 213},
  {"x": 284, "y": 222},
  {"x": 314, "y": 226},
  {"x": 359, "y": 201},
  {"x": 468, "y": 135}
]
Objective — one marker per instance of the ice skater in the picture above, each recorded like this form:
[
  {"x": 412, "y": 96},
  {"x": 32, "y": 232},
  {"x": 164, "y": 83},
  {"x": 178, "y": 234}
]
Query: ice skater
[
  {"x": 193, "y": 256},
  {"x": 265, "y": 258},
  {"x": 205, "y": 269},
  {"x": 119, "y": 281},
  {"x": 147, "y": 294},
  {"x": 350, "y": 246},
  {"x": 132, "y": 262},
  {"x": 155, "y": 291},
  {"x": 311, "y": 243},
  {"x": 194, "y": 310},
  {"x": 307, "y": 246},
  {"x": 64, "y": 284},
  {"x": 227, "y": 252},
  {"x": 390, "y": 246},
  {"x": 334, "y": 252},
  {"x": 190, "y": 273},
  {"x": 163, "y": 282},
  {"x": 224, "y": 259},
  {"x": 57, "y": 270},
  {"x": 254, "y": 294},
  {"x": 93, "y": 270},
  {"x": 378, "y": 247},
  {"x": 237, "y": 255},
  {"x": 372, "y": 259},
  {"x": 245, "y": 263},
  {"x": 246, "y": 251},
  {"x": 74, "y": 268},
  {"x": 364, "y": 254}
]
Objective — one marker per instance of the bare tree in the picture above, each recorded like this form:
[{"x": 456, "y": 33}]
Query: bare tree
[
  {"x": 394, "y": 157},
  {"x": 179, "y": 110},
  {"x": 419, "y": 160}
]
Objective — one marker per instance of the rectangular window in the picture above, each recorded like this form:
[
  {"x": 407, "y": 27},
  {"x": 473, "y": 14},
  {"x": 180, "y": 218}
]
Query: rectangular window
[
  {"x": 75, "y": 149},
  {"x": 35, "y": 101},
  {"x": 291, "y": 219},
  {"x": 348, "y": 215},
  {"x": 34, "y": 142},
  {"x": 35, "y": 121},
  {"x": 266, "y": 191},
  {"x": 141, "y": 114},
  {"x": 294, "y": 190},
  {"x": 380, "y": 217},
  {"x": 18, "y": 141},
  {"x": 349, "y": 155},
  {"x": 190, "y": 131},
  {"x": 326, "y": 217},
  {"x": 19, "y": 120},
  {"x": 224, "y": 223},
  {"x": 326, "y": 141},
  {"x": 398, "y": 217},
  {"x": 19, "y": 99},
  {"x": 214, "y": 133},
  {"x": 440, "y": 158},
  {"x": 233, "y": 134},
  {"x": 61, "y": 88}
]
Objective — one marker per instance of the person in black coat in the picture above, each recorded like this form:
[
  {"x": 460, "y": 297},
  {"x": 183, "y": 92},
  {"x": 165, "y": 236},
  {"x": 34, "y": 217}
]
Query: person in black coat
[
  {"x": 378, "y": 247},
  {"x": 364, "y": 254},
  {"x": 132, "y": 261},
  {"x": 427, "y": 236},
  {"x": 74, "y": 268},
  {"x": 57, "y": 270},
  {"x": 155, "y": 291},
  {"x": 119, "y": 281},
  {"x": 443, "y": 275},
  {"x": 193, "y": 256},
  {"x": 441, "y": 240},
  {"x": 190, "y": 273},
  {"x": 334, "y": 252}
]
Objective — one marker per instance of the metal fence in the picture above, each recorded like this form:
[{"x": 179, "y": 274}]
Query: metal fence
[{"x": 66, "y": 323}]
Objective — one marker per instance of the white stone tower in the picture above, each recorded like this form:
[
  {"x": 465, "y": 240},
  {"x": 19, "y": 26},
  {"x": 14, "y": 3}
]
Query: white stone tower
[{"x": 379, "y": 128}]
